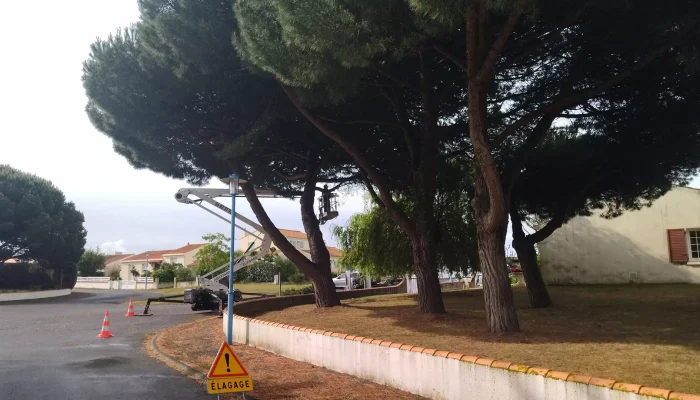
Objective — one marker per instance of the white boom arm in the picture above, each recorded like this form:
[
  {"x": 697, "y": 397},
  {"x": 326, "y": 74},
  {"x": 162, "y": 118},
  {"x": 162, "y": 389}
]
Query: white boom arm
[{"x": 197, "y": 196}]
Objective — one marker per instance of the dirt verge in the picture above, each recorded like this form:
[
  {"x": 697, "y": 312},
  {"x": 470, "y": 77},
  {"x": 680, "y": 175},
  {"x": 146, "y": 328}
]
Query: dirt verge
[{"x": 195, "y": 344}]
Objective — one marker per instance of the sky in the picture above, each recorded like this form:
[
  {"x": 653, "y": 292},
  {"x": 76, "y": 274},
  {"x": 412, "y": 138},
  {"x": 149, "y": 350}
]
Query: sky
[{"x": 45, "y": 131}]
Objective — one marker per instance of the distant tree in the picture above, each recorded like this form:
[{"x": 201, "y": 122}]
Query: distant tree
[
  {"x": 176, "y": 109},
  {"x": 91, "y": 263},
  {"x": 373, "y": 243},
  {"x": 134, "y": 272},
  {"x": 167, "y": 272},
  {"x": 214, "y": 254},
  {"x": 184, "y": 274},
  {"x": 37, "y": 223}
]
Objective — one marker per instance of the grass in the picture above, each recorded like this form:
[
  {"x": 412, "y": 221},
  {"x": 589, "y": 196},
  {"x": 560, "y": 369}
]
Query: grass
[
  {"x": 648, "y": 335},
  {"x": 274, "y": 377}
]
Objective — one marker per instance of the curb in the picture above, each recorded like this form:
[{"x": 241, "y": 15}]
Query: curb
[
  {"x": 189, "y": 371},
  {"x": 185, "y": 368},
  {"x": 8, "y": 298}
]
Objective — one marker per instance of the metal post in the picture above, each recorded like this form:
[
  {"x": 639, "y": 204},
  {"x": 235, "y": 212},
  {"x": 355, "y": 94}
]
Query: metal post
[
  {"x": 279, "y": 281},
  {"x": 229, "y": 331},
  {"x": 146, "y": 271}
]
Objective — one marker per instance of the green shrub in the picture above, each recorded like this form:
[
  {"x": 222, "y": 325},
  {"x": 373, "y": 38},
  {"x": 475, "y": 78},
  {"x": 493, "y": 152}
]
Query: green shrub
[
  {"x": 261, "y": 271},
  {"x": 513, "y": 280},
  {"x": 302, "y": 290},
  {"x": 184, "y": 274},
  {"x": 24, "y": 276},
  {"x": 164, "y": 273},
  {"x": 115, "y": 275}
]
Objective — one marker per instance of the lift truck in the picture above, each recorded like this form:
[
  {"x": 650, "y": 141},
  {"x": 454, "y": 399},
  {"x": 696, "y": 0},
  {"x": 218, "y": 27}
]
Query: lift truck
[{"x": 212, "y": 294}]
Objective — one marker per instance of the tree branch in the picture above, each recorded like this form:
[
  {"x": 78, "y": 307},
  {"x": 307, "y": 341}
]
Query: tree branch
[
  {"x": 563, "y": 101},
  {"x": 397, "y": 80},
  {"x": 487, "y": 69},
  {"x": 293, "y": 177},
  {"x": 531, "y": 143},
  {"x": 397, "y": 214},
  {"x": 363, "y": 121},
  {"x": 450, "y": 57},
  {"x": 371, "y": 191}
]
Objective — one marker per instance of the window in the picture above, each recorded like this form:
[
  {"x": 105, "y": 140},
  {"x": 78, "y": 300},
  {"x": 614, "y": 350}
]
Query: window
[
  {"x": 173, "y": 260},
  {"x": 694, "y": 244},
  {"x": 301, "y": 244}
]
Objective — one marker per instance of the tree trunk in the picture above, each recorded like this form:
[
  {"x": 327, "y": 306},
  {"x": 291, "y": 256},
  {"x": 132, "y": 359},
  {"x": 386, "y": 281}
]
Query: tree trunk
[
  {"x": 498, "y": 296},
  {"x": 429, "y": 292},
  {"x": 525, "y": 247},
  {"x": 324, "y": 289},
  {"x": 536, "y": 288}
]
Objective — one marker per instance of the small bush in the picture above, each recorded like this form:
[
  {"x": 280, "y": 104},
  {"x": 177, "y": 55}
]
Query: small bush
[
  {"x": 302, "y": 290},
  {"x": 261, "y": 271},
  {"x": 184, "y": 274},
  {"x": 24, "y": 276},
  {"x": 115, "y": 275}
]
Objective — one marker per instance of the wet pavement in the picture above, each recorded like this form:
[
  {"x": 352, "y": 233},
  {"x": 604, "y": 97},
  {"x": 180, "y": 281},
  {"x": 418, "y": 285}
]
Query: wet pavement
[{"x": 49, "y": 350}]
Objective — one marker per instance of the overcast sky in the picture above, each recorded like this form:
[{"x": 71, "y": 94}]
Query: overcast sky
[{"x": 44, "y": 130}]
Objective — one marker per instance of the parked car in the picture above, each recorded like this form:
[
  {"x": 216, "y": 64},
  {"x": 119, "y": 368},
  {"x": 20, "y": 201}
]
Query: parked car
[{"x": 340, "y": 281}]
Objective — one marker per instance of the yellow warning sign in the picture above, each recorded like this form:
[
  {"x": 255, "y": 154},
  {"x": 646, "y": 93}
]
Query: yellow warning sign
[{"x": 227, "y": 365}]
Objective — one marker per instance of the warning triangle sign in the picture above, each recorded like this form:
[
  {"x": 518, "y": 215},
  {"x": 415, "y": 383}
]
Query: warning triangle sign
[{"x": 226, "y": 365}]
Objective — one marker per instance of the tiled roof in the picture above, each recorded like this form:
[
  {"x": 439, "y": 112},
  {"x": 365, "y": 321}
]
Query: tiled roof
[
  {"x": 110, "y": 258},
  {"x": 153, "y": 256},
  {"x": 185, "y": 249},
  {"x": 334, "y": 251},
  {"x": 293, "y": 234},
  {"x": 157, "y": 255}
]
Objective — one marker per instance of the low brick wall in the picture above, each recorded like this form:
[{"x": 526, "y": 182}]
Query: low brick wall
[
  {"x": 453, "y": 286},
  {"x": 433, "y": 373},
  {"x": 430, "y": 373},
  {"x": 255, "y": 307}
]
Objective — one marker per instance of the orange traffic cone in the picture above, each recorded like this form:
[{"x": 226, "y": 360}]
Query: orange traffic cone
[
  {"x": 130, "y": 310},
  {"x": 105, "y": 333}
]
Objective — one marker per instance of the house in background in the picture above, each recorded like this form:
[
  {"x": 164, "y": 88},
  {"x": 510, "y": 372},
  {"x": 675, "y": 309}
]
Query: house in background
[
  {"x": 113, "y": 262},
  {"x": 297, "y": 239},
  {"x": 657, "y": 244},
  {"x": 184, "y": 255}
]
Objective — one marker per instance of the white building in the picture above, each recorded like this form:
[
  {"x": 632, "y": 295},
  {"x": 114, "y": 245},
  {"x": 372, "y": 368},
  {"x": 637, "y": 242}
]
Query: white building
[
  {"x": 299, "y": 240},
  {"x": 657, "y": 244}
]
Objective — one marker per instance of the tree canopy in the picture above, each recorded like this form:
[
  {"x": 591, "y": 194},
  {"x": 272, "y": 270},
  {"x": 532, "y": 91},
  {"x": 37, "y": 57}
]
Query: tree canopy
[
  {"x": 524, "y": 68},
  {"x": 173, "y": 107},
  {"x": 374, "y": 244},
  {"x": 37, "y": 223},
  {"x": 91, "y": 263}
]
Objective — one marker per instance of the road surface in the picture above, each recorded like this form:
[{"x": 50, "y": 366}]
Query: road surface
[{"x": 49, "y": 350}]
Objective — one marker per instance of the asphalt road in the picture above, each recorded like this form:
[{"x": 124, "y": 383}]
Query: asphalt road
[{"x": 49, "y": 350}]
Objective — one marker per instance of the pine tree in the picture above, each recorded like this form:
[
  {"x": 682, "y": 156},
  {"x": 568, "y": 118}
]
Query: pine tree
[
  {"x": 509, "y": 69},
  {"x": 175, "y": 98}
]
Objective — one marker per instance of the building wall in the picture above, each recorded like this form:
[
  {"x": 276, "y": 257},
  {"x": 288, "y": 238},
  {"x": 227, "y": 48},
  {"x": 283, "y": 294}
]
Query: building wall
[
  {"x": 594, "y": 250},
  {"x": 115, "y": 265},
  {"x": 174, "y": 258},
  {"x": 190, "y": 256},
  {"x": 125, "y": 273},
  {"x": 246, "y": 239}
]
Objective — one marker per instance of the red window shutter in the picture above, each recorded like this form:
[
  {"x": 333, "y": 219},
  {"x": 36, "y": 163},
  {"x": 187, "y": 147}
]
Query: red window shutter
[{"x": 677, "y": 247}]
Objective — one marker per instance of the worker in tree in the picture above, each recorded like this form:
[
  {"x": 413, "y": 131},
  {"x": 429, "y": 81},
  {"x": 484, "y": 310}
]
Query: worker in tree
[{"x": 326, "y": 200}]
